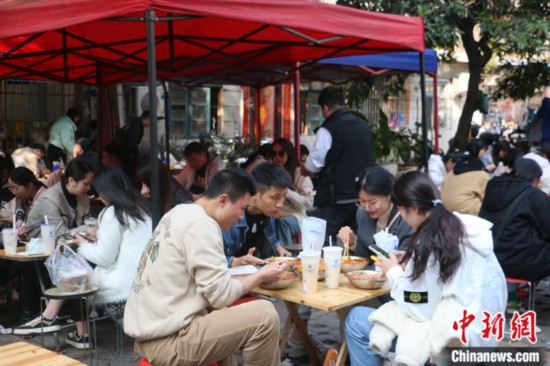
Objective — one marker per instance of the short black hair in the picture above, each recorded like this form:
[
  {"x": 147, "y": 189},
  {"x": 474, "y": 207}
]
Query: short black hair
[
  {"x": 23, "y": 176},
  {"x": 72, "y": 113},
  {"x": 268, "y": 175},
  {"x": 194, "y": 148},
  {"x": 39, "y": 146},
  {"x": 332, "y": 96},
  {"x": 235, "y": 182},
  {"x": 84, "y": 143},
  {"x": 377, "y": 181},
  {"x": 475, "y": 146},
  {"x": 145, "y": 114}
]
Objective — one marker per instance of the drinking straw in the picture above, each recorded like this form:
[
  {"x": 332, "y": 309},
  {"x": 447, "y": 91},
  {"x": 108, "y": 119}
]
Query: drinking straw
[
  {"x": 14, "y": 221},
  {"x": 46, "y": 219},
  {"x": 330, "y": 240}
]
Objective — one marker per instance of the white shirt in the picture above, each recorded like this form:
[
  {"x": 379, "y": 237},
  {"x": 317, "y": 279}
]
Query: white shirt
[{"x": 316, "y": 158}]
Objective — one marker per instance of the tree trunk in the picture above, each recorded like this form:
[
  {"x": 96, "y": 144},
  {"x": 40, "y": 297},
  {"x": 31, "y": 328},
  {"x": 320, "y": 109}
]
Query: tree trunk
[
  {"x": 462, "y": 135},
  {"x": 478, "y": 55}
]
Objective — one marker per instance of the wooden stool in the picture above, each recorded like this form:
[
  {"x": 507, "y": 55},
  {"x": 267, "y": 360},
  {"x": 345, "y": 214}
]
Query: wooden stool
[
  {"x": 531, "y": 296},
  {"x": 88, "y": 297}
]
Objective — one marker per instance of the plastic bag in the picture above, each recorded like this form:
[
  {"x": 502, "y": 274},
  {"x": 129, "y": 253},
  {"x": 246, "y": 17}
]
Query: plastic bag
[
  {"x": 386, "y": 241},
  {"x": 68, "y": 271}
]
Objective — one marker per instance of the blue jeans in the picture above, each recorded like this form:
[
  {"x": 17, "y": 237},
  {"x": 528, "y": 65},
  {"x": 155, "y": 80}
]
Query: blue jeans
[
  {"x": 357, "y": 329},
  {"x": 287, "y": 229}
]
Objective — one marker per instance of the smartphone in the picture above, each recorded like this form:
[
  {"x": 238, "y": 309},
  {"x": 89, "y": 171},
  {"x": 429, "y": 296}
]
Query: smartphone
[{"x": 378, "y": 251}]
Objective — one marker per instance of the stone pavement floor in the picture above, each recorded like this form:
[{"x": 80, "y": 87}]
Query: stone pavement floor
[{"x": 324, "y": 325}]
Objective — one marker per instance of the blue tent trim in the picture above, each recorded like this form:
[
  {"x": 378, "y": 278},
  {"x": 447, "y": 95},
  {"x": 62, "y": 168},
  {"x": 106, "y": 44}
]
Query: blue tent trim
[{"x": 406, "y": 61}]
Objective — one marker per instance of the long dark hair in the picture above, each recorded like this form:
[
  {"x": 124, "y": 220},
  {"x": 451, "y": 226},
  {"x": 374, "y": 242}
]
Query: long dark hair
[
  {"x": 113, "y": 184},
  {"x": 440, "y": 235},
  {"x": 292, "y": 160},
  {"x": 76, "y": 170},
  {"x": 23, "y": 176}
]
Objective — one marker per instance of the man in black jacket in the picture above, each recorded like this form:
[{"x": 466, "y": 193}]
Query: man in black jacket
[{"x": 342, "y": 150}]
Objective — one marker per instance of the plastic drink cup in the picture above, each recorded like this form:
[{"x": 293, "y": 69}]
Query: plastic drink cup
[
  {"x": 10, "y": 240},
  {"x": 333, "y": 261},
  {"x": 90, "y": 221},
  {"x": 47, "y": 233},
  {"x": 310, "y": 270}
]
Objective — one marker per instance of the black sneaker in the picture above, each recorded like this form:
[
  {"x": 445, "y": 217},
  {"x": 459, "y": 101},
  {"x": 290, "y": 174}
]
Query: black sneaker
[
  {"x": 38, "y": 325},
  {"x": 80, "y": 342}
]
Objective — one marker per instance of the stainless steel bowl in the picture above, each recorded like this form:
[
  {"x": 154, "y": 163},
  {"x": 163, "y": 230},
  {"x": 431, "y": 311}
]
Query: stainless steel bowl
[
  {"x": 279, "y": 284},
  {"x": 359, "y": 279},
  {"x": 358, "y": 263}
]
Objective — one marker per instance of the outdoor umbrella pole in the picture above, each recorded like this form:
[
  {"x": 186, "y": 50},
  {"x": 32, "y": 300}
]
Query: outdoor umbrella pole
[
  {"x": 425, "y": 153},
  {"x": 150, "y": 21}
]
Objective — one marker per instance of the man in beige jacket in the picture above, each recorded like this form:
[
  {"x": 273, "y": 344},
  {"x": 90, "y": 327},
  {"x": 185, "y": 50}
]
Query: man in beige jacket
[{"x": 177, "y": 309}]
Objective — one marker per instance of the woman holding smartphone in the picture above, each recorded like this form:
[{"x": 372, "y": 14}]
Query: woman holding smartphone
[
  {"x": 26, "y": 189},
  {"x": 66, "y": 203},
  {"x": 124, "y": 228},
  {"x": 449, "y": 262}
]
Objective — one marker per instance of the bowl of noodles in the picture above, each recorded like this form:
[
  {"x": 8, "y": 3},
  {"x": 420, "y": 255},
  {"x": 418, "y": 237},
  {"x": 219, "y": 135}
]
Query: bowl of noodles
[
  {"x": 353, "y": 263},
  {"x": 284, "y": 281},
  {"x": 366, "y": 279}
]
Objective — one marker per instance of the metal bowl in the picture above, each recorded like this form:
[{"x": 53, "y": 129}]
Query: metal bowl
[
  {"x": 355, "y": 263},
  {"x": 363, "y": 279},
  {"x": 284, "y": 282},
  {"x": 290, "y": 260}
]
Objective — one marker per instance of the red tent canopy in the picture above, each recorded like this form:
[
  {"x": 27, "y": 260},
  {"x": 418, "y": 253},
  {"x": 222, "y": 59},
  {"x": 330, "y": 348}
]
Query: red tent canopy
[{"x": 197, "y": 42}]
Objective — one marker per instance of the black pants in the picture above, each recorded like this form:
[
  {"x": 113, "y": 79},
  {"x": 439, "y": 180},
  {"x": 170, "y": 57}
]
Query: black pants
[
  {"x": 54, "y": 154},
  {"x": 29, "y": 290},
  {"x": 77, "y": 309},
  {"x": 336, "y": 217}
]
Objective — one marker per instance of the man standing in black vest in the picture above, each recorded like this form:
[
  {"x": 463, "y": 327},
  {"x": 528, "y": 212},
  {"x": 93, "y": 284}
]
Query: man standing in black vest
[{"x": 342, "y": 150}]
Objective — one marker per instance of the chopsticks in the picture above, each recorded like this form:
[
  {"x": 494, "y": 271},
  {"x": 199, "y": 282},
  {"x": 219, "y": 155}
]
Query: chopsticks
[{"x": 346, "y": 249}]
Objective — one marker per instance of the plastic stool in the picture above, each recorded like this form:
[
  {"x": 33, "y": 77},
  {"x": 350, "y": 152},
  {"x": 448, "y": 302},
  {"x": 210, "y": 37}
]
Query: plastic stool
[
  {"x": 88, "y": 297},
  {"x": 531, "y": 291},
  {"x": 145, "y": 362}
]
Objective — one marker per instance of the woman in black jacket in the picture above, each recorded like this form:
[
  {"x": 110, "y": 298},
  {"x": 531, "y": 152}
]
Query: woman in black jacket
[{"x": 520, "y": 213}]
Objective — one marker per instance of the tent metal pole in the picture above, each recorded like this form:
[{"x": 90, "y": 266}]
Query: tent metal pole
[
  {"x": 297, "y": 128},
  {"x": 166, "y": 123},
  {"x": 150, "y": 21},
  {"x": 426, "y": 153},
  {"x": 436, "y": 114}
]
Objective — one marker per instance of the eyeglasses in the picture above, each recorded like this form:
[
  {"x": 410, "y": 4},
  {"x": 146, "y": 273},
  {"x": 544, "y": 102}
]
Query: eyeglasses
[
  {"x": 281, "y": 153},
  {"x": 368, "y": 206}
]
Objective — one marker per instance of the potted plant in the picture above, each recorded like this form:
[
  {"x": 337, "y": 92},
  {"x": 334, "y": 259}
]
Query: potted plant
[{"x": 387, "y": 144}]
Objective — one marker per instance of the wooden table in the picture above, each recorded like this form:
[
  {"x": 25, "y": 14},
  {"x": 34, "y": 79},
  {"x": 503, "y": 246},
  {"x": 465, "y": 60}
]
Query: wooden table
[
  {"x": 26, "y": 354},
  {"x": 339, "y": 300}
]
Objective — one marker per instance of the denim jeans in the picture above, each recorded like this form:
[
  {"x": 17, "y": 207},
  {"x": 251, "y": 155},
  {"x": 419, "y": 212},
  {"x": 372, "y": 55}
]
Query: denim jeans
[{"x": 357, "y": 329}]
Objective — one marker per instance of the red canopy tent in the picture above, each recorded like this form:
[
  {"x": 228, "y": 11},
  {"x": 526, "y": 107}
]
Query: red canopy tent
[{"x": 114, "y": 41}]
